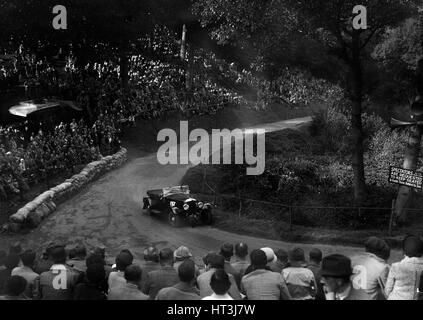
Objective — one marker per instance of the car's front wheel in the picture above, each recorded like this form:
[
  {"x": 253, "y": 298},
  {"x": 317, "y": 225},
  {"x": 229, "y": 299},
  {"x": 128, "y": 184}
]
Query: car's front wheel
[
  {"x": 146, "y": 211},
  {"x": 174, "y": 219}
]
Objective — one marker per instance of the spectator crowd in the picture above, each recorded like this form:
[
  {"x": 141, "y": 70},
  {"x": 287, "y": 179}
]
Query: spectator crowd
[{"x": 232, "y": 273}]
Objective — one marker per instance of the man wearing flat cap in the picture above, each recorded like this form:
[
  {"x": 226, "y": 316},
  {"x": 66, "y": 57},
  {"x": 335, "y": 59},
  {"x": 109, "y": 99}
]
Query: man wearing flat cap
[
  {"x": 336, "y": 278},
  {"x": 373, "y": 263},
  {"x": 262, "y": 283},
  {"x": 150, "y": 263},
  {"x": 58, "y": 283}
]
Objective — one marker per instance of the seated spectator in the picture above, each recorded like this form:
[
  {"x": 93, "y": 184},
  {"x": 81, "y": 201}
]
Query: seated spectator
[
  {"x": 150, "y": 263},
  {"x": 130, "y": 291},
  {"x": 299, "y": 279},
  {"x": 281, "y": 262},
  {"x": 185, "y": 289},
  {"x": 227, "y": 251},
  {"x": 15, "y": 288},
  {"x": 10, "y": 262},
  {"x": 336, "y": 274},
  {"x": 165, "y": 277},
  {"x": 404, "y": 276},
  {"x": 315, "y": 261},
  {"x": 220, "y": 285},
  {"x": 93, "y": 286},
  {"x": 78, "y": 261},
  {"x": 215, "y": 262},
  {"x": 376, "y": 269},
  {"x": 117, "y": 278},
  {"x": 59, "y": 282},
  {"x": 26, "y": 272},
  {"x": 262, "y": 283},
  {"x": 241, "y": 259}
]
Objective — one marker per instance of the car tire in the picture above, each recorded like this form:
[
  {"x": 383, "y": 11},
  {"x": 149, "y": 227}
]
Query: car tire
[
  {"x": 208, "y": 217},
  {"x": 174, "y": 220}
]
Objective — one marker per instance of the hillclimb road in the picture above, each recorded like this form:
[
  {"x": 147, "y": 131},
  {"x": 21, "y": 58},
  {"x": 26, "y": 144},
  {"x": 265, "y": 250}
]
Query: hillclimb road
[{"x": 108, "y": 213}]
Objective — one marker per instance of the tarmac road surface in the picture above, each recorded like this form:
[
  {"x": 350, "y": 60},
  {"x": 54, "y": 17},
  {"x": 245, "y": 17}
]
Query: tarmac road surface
[{"x": 108, "y": 213}]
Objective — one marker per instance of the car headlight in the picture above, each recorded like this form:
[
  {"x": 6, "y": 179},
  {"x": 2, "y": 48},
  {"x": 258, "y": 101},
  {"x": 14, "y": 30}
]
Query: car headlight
[
  {"x": 200, "y": 205},
  {"x": 172, "y": 204},
  {"x": 186, "y": 206}
]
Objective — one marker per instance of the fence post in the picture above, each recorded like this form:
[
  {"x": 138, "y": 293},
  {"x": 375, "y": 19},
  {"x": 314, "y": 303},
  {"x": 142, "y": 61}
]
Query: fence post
[
  {"x": 290, "y": 218},
  {"x": 204, "y": 178},
  {"x": 391, "y": 217}
]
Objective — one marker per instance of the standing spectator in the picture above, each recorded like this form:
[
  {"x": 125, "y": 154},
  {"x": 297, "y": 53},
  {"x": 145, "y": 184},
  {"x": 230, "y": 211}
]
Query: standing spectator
[
  {"x": 270, "y": 255},
  {"x": 299, "y": 279},
  {"x": 93, "y": 259},
  {"x": 16, "y": 248},
  {"x": 227, "y": 251},
  {"x": 403, "y": 278},
  {"x": 375, "y": 267},
  {"x": 151, "y": 263},
  {"x": 315, "y": 265},
  {"x": 26, "y": 272},
  {"x": 281, "y": 262},
  {"x": 45, "y": 263},
  {"x": 165, "y": 277},
  {"x": 220, "y": 285},
  {"x": 78, "y": 261},
  {"x": 130, "y": 291},
  {"x": 15, "y": 287},
  {"x": 215, "y": 262},
  {"x": 261, "y": 283},
  {"x": 10, "y": 263},
  {"x": 117, "y": 278},
  {"x": 180, "y": 255},
  {"x": 272, "y": 259},
  {"x": 241, "y": 259},
  {"x": 59, "y": 282},
  {"x": 101, "y": 251},
  {"x": 185, "y": 289},
  {"x": 336, "y": 274},
  {"x": 92, "y": 288},
  {"x": 4, "y": 275}
]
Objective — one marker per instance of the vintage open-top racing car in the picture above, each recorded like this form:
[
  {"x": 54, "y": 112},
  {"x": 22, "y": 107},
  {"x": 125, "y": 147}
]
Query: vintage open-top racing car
[{"x": 179, "y": 205}]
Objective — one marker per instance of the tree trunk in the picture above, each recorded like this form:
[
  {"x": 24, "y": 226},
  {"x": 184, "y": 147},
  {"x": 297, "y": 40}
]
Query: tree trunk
[
  {"x": 357, "y": 125},
  {"x": 183, "y": 43},
  {"x": 405, "y": 193},
  {"x": 190, "y": 71},
  {"x": 124, "y": 67}
]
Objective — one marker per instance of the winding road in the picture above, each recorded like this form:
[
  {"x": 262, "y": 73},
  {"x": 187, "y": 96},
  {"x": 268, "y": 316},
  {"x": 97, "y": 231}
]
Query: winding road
[{"x": 108, "y": 213}]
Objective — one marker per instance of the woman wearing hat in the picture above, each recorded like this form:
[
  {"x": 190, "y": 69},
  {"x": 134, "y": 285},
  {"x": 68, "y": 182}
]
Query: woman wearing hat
[{"x": 404, "y": 276}]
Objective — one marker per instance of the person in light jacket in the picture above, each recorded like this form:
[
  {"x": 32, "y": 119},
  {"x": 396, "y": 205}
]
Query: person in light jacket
[{"x": 403, "y": 278}]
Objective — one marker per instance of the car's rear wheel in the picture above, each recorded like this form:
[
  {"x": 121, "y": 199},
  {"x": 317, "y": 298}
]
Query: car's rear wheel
[
  {"x": 174, "y": 219},
  {"x": 207, "y": 217}
]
